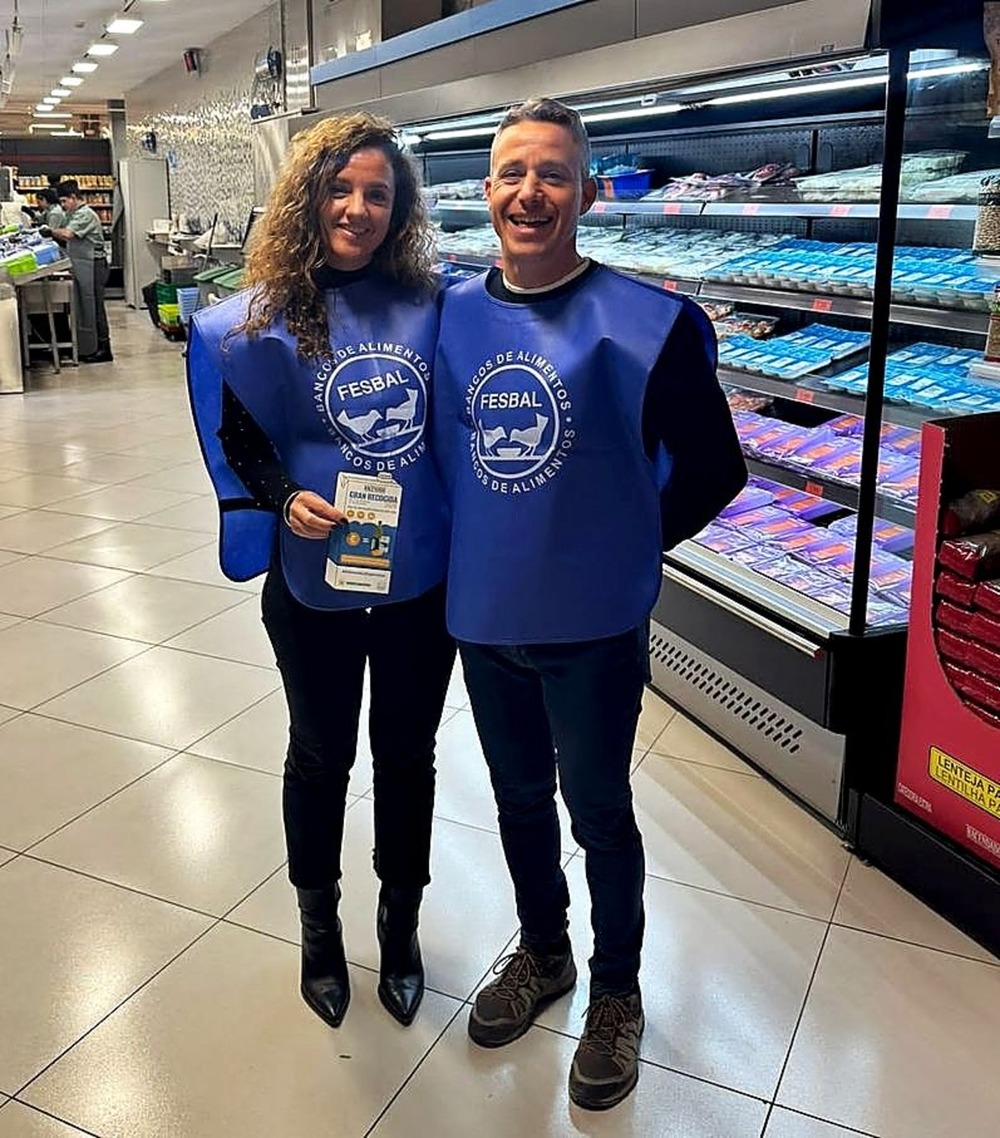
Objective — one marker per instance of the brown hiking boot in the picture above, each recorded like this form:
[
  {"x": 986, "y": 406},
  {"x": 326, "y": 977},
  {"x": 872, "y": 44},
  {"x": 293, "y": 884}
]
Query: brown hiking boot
[
  {"x": 525, "y": 984},
  {"x": 606, "y": 1064}
]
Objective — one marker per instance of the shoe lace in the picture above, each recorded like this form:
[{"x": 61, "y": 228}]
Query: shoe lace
[
  {"x": 607, "y": 1018},
  {"x": 515, "y": 972}
]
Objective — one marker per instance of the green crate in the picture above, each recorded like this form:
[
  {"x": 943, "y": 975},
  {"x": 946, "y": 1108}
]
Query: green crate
[{"x": 166, "y": 293}]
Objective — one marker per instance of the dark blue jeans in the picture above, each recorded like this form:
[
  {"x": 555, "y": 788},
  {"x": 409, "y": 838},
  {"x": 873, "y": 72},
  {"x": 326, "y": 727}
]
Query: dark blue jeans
[{"x": 570, "y": 708}]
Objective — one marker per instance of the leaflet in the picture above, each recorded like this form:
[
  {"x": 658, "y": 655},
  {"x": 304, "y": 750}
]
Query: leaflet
[{"x": 360, "y": 552}]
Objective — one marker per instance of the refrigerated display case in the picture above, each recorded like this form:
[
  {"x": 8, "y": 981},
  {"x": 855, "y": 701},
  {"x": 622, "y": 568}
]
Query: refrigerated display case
[
  {"x": 818, "y": 198},
  {"x": 775, "y": 627}
]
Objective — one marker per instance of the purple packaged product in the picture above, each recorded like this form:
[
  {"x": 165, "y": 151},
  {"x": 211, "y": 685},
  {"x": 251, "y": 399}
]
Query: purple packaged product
[
  {"x": 889, "y": 571},
  {"x": 845, "y": 464},
  {"x": 814, "y": 455},
  {"x": 886, "y": 535},
  {"x": 750, "y": 498},
  {"x": 783, "y": 439},
  {"x": 903, "y": 482},
  {"x": 902, "y": 594},
  {"x": 803, "y": 579},
  {"x": 781, "y": 450},
  {"x": 756, "y": 555},
  {"x": 778, "y": 569},
  {"x": 835, "y": 595},
  {"x": 803, "y": 505},
  {"x": 884, "y": 610},
  {"x": 722, "y": 539},
  {"x": 826, "y": 549},
  {"x": 753, "y": 518},
  {"x": 778, "y": 528},
  {"x": 903, "y": 440},
  {"x": 846, "y": 425}
]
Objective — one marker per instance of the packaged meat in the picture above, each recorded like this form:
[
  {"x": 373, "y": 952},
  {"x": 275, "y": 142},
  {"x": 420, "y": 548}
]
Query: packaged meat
[
  {"x": 749, "y": 498},
  {"x": 974, "y": 557},
  {"x": 745, "y": 401},
  {"x": 888, "y": 571},
  {"x": 722, "y": 539},
  {"x": 803, "y": 505},
  {"x": 973, "y": 511},
  {"x": 953, "y": 617},
  {"x": 957, "y": 589},
  {"x": 886, "y": 535},
  {"x": 987, "y": 596},
  {"x": 983, "y": 659},
  {"x": 884, "y": 610}
]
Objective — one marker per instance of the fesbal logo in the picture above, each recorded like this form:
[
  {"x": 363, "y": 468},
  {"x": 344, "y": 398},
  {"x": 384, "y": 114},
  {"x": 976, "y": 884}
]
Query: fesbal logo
[
  {"x": 373, "y": 397},
  {"x": 522, "y": 421}
]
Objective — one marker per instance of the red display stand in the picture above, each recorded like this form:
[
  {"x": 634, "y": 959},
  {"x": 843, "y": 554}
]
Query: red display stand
[{"x": 949, "y": 758}]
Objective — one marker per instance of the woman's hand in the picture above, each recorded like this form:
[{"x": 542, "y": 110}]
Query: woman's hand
[{"x": 309, "y": 515}]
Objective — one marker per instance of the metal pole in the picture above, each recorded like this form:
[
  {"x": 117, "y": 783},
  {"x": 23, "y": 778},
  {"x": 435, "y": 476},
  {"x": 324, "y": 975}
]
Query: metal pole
[{"x": 892, "y": 162}]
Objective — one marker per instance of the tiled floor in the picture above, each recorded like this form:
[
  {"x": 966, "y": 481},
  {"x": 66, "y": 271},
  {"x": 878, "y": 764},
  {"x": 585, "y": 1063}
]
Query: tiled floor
[{"x": 147, "y": 933}]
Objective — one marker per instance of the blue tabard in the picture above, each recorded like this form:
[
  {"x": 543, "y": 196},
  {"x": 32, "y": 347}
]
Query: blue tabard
[
  {"x": 538, "y": 426},
  {"x": 363, "y": 411}
]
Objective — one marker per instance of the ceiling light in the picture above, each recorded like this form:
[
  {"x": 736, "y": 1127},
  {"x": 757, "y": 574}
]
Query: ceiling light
[
  {"x": 51, "y": 99},
  {"x": 42, "y": 107},
  {"x": 635, "y": 113},
  {"x": 61, "y": 92},
  {"x": 122, "y": 27},
  {"x": 70, "y": 81},
  {"x": 102, "y": 49},
  {"x": 49, "y": 114},
  {"x": 84, "y": 68},
  {"x": 472, "y": 132}
]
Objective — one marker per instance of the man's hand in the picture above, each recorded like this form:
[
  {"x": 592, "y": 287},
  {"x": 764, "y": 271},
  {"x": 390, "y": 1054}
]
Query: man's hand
[
  {"x": 45, "y": 231},
  {"x": 309, "y": 515}
]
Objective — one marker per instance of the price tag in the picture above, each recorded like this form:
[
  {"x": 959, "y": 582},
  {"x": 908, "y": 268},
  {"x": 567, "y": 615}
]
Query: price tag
[
  {"x": 940, "y": 212},
  {"x": 750, "y": 209},
  {"x": 815, "y": 489},
  {"x": 822, "y": 304},
  {"x": 804, "y": 395},
  {"x": 671, "y": 285},
  {"x": 672, "y": 207},
  {"x": 840, "y": 211}
]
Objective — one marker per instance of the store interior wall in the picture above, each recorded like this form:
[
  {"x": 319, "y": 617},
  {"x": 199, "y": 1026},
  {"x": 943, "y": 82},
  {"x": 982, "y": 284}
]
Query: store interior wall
[{"x": 202, "y": 124}]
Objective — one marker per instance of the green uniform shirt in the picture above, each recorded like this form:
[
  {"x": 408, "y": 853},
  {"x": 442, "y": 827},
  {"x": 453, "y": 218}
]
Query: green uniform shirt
[{"x": 86, "y": 226}]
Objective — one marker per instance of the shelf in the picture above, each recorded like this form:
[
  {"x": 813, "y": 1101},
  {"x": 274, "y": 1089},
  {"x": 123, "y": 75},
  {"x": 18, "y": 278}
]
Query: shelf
[
  {"x": 769, "y": 596},
  {"x": 904, "y": 416},
  {"x": 889, "y": 509},
  {"x": 847, "y": 211},
  {"x": 949, "y": 319}
]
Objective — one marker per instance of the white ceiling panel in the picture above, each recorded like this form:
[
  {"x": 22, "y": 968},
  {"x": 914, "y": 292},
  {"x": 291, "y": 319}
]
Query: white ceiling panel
[{"x": 56, "y": 33}]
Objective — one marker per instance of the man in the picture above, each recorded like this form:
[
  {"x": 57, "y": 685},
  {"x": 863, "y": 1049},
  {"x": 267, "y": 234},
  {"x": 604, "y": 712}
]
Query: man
[
  {"x": 582, "y": 430},
  {"x": 83, "y": 236}
]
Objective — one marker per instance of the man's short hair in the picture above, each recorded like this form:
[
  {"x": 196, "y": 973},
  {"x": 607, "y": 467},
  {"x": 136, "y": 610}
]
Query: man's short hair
[
  {"x": 68, "y": 189},
  {"x": 541, "y": 109}
]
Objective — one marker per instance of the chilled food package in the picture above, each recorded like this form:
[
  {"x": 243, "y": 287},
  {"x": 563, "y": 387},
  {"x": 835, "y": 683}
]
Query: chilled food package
[
  {"x": 887, "y": 609},
  {"x": 747, "y": 401},
  {"x": 957, "y": 589},
  {"x": 864, "y": 183},
  {"x": 974, "y": 557},
  {"x": 806, "y": 506},
  {"x": 772, "y": 433},
  {"x": 987, "y": 596},
  {"x": 716, "y": 310},
  {"x": 886, "y": 535},
  {"x": 953, "y": 617},
  {"x": 975, "y": 510},
  {"x": 756, "y": 327},
  {"x": 776, "y": 527},
  {"x": 902, "y": 482},
  {"x": 952, "y": 189},
  {"x": 823, "y": 454},
  {"x": 983, "y": 659},
  {"x": 889, "y": 572},
  {"x": 755, "y": 555},
  {"x": 801, "y": 441},
  {"x": 722, "y": 539},
  {"x": 749, "y": 498}
]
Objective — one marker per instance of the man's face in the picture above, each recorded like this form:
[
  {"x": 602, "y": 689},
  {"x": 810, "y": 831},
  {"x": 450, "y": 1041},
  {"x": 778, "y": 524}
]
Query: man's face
[
  {"x": 536, "y": 193},
  {"x": 69, "y": 203}
]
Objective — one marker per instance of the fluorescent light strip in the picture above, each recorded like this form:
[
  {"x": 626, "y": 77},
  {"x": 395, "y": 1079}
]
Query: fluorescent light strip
[
  {"x": 797, "y": 89},
  {"x": 635, "y": 113},
  {"x": 122, "y": 27},
  {"x": 51, "y": 115},
  {"x": 84, "y": 68},
  {"x": 472, "y": 132},
  {"x": 52, "y": 100},
  {"x": 70, "y": 81},
  {"x": 102, "y": 49},
  {"x": 61, "y": 92}
]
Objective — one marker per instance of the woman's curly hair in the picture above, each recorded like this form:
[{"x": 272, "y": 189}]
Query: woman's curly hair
[{"x": 288, "y": 244}]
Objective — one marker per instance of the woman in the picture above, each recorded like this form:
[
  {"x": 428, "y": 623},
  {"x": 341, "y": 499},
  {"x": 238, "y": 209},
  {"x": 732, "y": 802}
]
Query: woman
[
  {"x": 311, "y": 388},
  {"x": 49, "y": 212}
]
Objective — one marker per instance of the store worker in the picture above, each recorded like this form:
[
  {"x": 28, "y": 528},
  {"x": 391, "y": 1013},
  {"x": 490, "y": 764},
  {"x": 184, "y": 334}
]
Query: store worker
[
  {"x": 83, "y": 236},
  {"x": 310, "y": 392},
  {"x": 582, "y": 431},
  {"x": 48, "y": 211}
]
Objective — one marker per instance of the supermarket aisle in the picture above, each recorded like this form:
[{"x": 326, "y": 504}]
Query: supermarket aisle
[{"x": 149, "y": 970}]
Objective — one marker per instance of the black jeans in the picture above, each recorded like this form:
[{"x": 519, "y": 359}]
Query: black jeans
[
  {"x": 321, "y": 656},
  {"x": 572, "y": 708}
]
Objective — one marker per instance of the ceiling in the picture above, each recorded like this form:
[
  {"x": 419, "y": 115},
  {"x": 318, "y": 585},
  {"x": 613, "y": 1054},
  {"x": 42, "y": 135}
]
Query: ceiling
[{"x": 57, "y": 33}]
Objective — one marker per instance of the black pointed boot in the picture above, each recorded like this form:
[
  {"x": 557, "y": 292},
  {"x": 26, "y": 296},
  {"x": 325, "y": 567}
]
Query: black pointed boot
[
  {"x": 325, "y": 985},
  {"x": 401, "y": 972}
]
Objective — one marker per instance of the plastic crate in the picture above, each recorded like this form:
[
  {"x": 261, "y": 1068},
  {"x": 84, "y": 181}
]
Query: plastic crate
[
  {"x": 187, "y": 301},
  {"x": 624, "y": 187}
]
